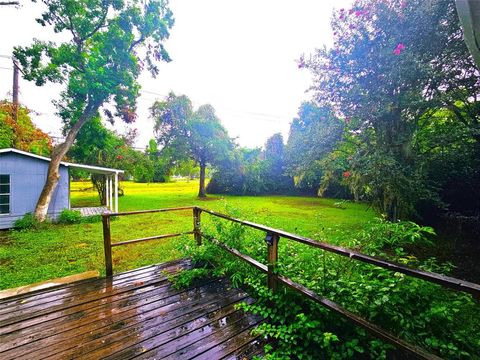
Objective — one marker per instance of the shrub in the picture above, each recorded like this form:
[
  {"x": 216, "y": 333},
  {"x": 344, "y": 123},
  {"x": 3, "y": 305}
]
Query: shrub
[
  {"x": 70, "y": 217},
  {"x": 28, "y": 221}
]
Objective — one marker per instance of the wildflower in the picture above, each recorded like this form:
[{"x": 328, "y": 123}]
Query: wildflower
[
  {"x": 398, "y": 50},
  {"x": 347, "y": 174}
]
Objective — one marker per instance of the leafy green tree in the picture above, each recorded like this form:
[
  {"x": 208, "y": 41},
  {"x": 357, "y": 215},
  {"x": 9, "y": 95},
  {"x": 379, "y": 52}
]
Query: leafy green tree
[
  {"x": 97, "y": 145},
  {"x": 197, "y": 135},
  {"x": 313, "y": 135},
  {"x": 161, "y": 161},
  {"x": 393, "y": 62},
  {"x": 275, "y": 178},
  {"x": 98, "y": 63},
  {"x": 187, "y": 168}
]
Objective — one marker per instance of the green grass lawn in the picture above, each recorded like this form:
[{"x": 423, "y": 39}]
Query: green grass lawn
[{"x": 59, "y": 250}]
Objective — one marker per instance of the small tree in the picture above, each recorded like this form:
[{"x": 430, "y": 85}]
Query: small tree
[
  {"x": 197, "y": 135},
  {"x": 98, "y": 64}
]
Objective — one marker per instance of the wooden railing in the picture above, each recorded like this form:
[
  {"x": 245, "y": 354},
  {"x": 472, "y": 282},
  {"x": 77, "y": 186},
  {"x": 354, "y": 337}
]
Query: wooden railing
[{"x": 272, "y": 238}]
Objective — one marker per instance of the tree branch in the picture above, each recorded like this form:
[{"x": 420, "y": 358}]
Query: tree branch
[
  {"x": 100, "y": 23},
  {"x": 136, "y": 42}
]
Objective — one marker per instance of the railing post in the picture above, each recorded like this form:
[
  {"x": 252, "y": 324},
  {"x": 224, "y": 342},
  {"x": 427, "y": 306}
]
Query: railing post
[
  {"x": 197, "y": 212},
  {"x": 272, "y": 258},
  {"x": 107, "y": 244}
]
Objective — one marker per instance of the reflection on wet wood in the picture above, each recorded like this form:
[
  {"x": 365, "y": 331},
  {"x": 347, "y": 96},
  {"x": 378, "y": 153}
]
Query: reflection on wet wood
[{"x": 134, "y": 314}]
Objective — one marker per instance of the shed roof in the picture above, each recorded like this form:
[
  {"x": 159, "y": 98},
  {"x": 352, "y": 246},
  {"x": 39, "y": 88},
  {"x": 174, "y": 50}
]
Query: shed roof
[{"x": 89, "y": 168}]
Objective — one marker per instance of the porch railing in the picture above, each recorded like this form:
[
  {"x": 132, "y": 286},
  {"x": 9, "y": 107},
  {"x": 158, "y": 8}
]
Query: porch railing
[{"x": 272, "y": 237}]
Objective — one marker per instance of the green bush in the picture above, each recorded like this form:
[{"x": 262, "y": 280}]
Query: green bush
[
  {"x": 70, "y": 217},
  {"x": 75, "y": 217},
  {"x": 28, "y": 221}
]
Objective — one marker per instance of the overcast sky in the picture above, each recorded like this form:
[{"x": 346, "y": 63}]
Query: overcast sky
[{"x": 239, "y": 56}]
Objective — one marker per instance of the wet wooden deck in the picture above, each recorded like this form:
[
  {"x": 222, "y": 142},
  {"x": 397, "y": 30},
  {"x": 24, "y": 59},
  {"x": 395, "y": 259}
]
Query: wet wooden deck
[{"x": 136, "y": 314}]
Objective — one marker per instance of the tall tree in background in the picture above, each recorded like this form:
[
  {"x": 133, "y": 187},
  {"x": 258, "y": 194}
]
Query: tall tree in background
[
  {"x": 99, "y": 64},
  {"x": 275, "y": 178},
  {"x": 198, "y": 135},
  {"x": 392, "y": 63},
  {"x": 313, "y": 135}
]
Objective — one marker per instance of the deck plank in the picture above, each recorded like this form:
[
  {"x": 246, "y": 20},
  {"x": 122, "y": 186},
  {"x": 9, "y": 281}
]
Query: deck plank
[
  {"x": 80, "y": 305},
  {"x": 77, "y": 288},
  {"x": 134, "y": 314},
  {"x": 91, "y": 320}
]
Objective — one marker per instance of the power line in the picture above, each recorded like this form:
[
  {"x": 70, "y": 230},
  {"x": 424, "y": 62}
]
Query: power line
[{"x": 259, "y": 116}]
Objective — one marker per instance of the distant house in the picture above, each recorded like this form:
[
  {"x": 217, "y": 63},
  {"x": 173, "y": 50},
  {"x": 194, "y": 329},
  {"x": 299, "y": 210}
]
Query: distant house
[{"x": 23, "y": 175}]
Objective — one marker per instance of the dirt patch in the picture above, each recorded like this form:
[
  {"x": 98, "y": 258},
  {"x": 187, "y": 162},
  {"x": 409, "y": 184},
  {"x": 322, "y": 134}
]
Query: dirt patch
[
  {"x": 211, "y": 198},
  {"x": 5, "y": 238},
  {"x": 5, "y": 262}
]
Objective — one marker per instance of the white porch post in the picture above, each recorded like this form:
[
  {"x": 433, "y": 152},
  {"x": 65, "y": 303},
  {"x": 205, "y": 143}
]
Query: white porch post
[
  {"x": 110, "y": 193},
  {"x": 116, "y": 192},
  {"x": 107, "y": 197}
]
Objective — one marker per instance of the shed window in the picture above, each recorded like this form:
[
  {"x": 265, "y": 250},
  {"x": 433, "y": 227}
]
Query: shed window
[{"x": 4, "y": 194}]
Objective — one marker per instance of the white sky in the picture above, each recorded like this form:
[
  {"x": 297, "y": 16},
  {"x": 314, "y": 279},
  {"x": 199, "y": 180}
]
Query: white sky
[{"x": 239, "y": 56}]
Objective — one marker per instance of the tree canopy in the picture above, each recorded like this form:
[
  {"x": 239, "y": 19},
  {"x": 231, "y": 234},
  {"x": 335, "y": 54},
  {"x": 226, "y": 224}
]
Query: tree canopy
[
  {"x": 198, "y": 135},
  {"x": 21, "y": 133},
  {"x": 392, "y": 63}
]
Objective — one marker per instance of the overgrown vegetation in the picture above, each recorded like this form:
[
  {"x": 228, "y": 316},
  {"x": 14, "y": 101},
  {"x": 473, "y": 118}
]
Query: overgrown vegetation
[{"x": 442, "y": 321}]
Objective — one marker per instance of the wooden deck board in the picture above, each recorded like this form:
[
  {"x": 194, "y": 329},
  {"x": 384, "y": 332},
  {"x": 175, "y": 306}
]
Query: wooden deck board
[{"x": 134, "y": 314}]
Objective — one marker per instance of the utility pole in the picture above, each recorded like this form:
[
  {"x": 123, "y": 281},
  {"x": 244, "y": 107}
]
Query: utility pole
[{"x": 15, "y": 90}]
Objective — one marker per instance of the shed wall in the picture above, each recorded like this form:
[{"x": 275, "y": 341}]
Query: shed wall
[{"x": 27, "y": 177}]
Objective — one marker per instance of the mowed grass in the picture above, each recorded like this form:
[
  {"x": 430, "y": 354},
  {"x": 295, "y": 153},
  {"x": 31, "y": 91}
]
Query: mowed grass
[{"x": 57, "y": 250}]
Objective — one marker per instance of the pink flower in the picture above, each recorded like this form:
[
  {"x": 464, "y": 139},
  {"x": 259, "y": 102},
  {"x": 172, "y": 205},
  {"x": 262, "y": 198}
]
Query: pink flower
[
  {"x": 398, "y": 50},
  {"x": 346, "y": 174},
  {"x": 301, "y": 62}
]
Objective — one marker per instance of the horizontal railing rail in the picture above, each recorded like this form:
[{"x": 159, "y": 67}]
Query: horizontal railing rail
[{"x": 273, "y": 279}]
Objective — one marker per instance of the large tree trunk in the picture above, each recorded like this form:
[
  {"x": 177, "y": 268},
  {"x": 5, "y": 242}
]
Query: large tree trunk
[
  {"x": 58, "y": 153},
  {"x": 201, "y": 191}
]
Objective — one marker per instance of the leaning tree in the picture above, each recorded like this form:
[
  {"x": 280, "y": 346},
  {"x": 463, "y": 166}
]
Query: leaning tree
[{"x": 107, "y": 43}]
